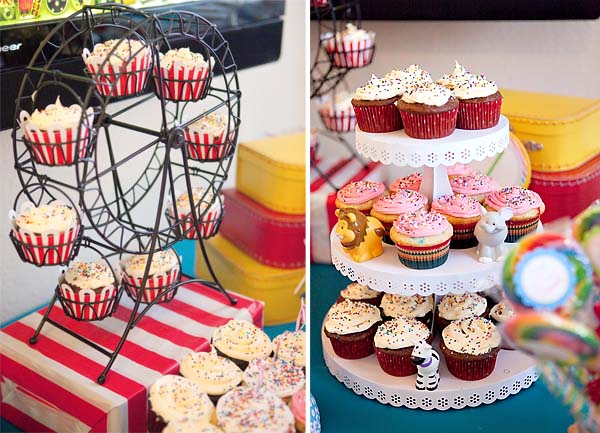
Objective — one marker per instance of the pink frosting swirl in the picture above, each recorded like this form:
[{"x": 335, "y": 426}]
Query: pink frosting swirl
[
  {"x": 459, "y": 169},
  {"x": 299, "y": 406},
  {"x": 458, "y": 205},
  {"x": 520, "y": 200},
  {"x": 473, "y": 184},
  {"x": 400, "y": 202},
  {"x": 412, "y": 181},
  {"x": 419, "y": 224},
  {"x": 360, "y": 192}
]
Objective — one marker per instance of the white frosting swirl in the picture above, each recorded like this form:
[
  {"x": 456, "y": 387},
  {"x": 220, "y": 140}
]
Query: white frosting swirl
[
  {"x": 245, "y": 410},
  {"x": 57, "y": 115},
  {"x": 428, "y": 94},
  {"x": 410, "y": 77},
  {"x": 342, "y": 103},
  {"x": 212, "y": 124},
  {"x": 214, "y": 374},
  {"x": 400, "y": 333},
  {"x": 279, "y": 377},
  {"x": 163, "y": 262},
  {"x": 358, "y": 292},
  {"x": 182, "y": 57},
  {"x": 378, "y": 89},
  {"x": 459, "y": 74},
  {"x": 350, "y": 34},
  {"x": 173, "y": 397},
  {"x": 467, "y": 85},
  {"x": 455, "y": 307},
  {"x": 53, "y": 217},
  {"x": 242, "y": 340},
  {"x": 349, "y": 317},
  {"x": 501, "y": 312},
  {"x": 183, "y": 200},
  {"x": 290, "y": 346},
  {"x": 473, "y": 336},
  {"x": 125, "y": 50},
  {"x": 89, "y": 275},
  {"x": 406, "y": 306},
  {"x": 190, "y": 425}
]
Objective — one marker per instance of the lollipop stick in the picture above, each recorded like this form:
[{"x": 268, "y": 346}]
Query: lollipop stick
[
  {"x": 300, "y": 319},
  {"x": 261, "y": 376}
]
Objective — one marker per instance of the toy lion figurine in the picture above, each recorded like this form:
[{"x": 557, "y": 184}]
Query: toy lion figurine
[{"x": 360, "y": 235}]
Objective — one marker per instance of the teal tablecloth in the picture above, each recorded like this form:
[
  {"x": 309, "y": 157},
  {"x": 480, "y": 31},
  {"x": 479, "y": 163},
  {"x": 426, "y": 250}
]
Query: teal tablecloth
[{"x": 534, "y": 410}]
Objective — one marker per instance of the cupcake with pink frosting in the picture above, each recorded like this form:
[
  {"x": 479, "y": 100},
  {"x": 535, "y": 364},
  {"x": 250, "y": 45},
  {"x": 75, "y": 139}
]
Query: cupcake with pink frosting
[
  {"x": 412, "y": 181},
  {"x": 476, "y": 186},
  {"x": 298, "y": 406},
  {"x": 422, "y": 239},
  {"x": 463, "y": 213},
  {"x": 459, "y": 169},
  {"x": 527, "y": 207},
  {"x": 389, "y": 207},
  {"x": 360, "y": 195}
]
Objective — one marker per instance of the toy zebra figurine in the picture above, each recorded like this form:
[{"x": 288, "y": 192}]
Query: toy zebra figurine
[{"x": 427, "y": 361}]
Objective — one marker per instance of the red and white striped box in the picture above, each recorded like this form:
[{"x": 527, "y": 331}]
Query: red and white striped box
[
  {"x": 182, "y": 84},
  {"x": 322, "y": 199},
  {"x": 155, "y": 286},
  {"x": 350, "y": 54},
  {"x": 51, "y": 386}
]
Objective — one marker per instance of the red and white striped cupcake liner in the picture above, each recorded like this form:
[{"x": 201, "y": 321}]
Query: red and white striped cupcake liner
[
  {"x": 47, "y": 249},
  {"x": 208, "y": 224},
  {"x": 478, "y": 115},
  {"x": 87, "y": 304},
  {"x": 319, "y": 3},
  {"x": 155, "y": 286},
  {"x": 429, "y": 125},
  {"x": 130, "y": 79},
  {"x": 206, "y": 147},
  {"x": 183, "y": 84},
  {"x": 349, "y": 54},
  {"x": 345, "y": 121}
]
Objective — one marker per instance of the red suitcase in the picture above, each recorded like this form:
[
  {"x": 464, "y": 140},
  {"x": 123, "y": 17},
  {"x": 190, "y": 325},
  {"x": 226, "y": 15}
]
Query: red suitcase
[{"x": 271, "y": 238}]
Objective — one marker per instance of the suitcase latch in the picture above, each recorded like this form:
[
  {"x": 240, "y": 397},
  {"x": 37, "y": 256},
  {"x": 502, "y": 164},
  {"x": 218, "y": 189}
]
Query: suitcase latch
[{"x": 533, "y": 146}]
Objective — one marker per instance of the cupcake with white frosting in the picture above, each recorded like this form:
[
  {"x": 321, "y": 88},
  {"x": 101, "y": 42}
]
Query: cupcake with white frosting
[
  {"x": 351, "y": 326},
  {"x": 279, "y": 377},
  {"x": 337, "y": 113},
  {"x": 190, "y": 425},
  {"x": 360, "y": 293},
  {"x": 456, "y": 307},
  {"x": 410, "y": 77},
  {"x": 208, "y": 212},
  {"x": 290, "y": 346},
  {"x": 164, "y": 271},
  {"x": 207, "y": 138},
  {"x": 174, "y": 397},
  {"x": 428, "y": 111},
  {"x": 499, "y": 314},
  {"x": 253, "y": 411},
  {"x": 186, "y": 75},
  {"x": 349, "y": 48},
  {"x": 375, "y": 105},
  {"x": 470, "y": 347},
  {"x": 241, "y": 341},
  {"x": 214, "y": 374},
  {"x": 394, "y": 342},
  {"x": 414, "y": 306}
]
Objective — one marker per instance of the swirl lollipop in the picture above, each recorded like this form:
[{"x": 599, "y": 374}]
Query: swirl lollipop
[{"x": 586, "y": 230}]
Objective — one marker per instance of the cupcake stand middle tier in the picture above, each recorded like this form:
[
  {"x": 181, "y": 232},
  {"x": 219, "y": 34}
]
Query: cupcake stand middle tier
[{"x": 461, "y": 273}]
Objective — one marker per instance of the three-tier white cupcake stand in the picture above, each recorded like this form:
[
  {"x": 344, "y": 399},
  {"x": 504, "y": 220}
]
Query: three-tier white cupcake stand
[{"x": 461, "y": 273}]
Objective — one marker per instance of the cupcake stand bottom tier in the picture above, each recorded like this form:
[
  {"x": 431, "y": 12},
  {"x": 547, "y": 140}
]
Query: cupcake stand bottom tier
[
  {"x": 51, "y": 386},
  {"x": 514, "y": 372}
]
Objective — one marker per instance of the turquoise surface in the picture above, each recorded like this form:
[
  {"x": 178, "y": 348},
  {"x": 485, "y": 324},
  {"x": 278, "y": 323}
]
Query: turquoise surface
[{"x": 534, "y": 410}]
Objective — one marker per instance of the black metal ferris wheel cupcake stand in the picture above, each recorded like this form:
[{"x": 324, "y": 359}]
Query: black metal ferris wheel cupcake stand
[{"x": 97, "y": 179}]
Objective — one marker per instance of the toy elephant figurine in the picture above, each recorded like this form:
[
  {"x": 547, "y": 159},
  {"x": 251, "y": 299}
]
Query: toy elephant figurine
[
  {"x": 491, "y": 231},
  {"x": 360, "y": 235}
]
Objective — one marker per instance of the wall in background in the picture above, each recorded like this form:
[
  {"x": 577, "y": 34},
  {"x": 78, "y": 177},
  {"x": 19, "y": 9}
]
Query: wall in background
[{"x": 272, "y": 103}]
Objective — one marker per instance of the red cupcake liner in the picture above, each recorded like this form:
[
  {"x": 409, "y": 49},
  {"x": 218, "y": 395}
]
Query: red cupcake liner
[
  {"x": 357, "y": 348},
  {"x": 518, "y": 229},
  {"x": 57, "y": 147},
  {"x": 429, "y": 125},
  {"x": 399, "y": 366},
  {"x": 349, "y": 54},
  {"x": 478, "y": 115},
  {"x": 208, "y": 226},
  {"x": 471, "y": 369},
  {"x": 130, "y": 79},
  {"x": 206, "y": 147},
  {"x": 319, "y": 3},
  {"x": 87, "y": 304},
  {"x": 381, "y": 118},
  {"x": 183, "y": 84},
  {"x": 47, "y": 249},
  {"x": 155, "y": 286},
  {"x": 344, "y": 122}
]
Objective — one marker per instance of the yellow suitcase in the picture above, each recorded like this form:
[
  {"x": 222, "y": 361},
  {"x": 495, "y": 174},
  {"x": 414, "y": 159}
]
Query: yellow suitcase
[
  {"x": 560, "y": 132},
  {"x": 240, "y": 273},
  {"x": 272, "y": 172}
]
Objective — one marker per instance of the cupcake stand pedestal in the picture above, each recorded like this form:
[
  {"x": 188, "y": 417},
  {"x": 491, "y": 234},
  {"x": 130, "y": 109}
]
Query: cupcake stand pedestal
[{"x": 461, "y": 273}]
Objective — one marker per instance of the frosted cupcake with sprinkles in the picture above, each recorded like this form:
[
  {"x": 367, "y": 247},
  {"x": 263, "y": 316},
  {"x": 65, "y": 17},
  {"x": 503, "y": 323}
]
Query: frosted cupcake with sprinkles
[
  {"x": 477, "y": 186},
  {"x": 412, "y": 182},
  {"x": 184, "y": 75},
  {"x": 389, "y": 207},
  {"x": 279, "y": 377},
  {"x": 208, "y": 139},
  {"x": 360, "y": 195},
  {"x": 164, "y": 271},
  {"x": 375, "y": 105},
  {"x": 241, "y": 341}
]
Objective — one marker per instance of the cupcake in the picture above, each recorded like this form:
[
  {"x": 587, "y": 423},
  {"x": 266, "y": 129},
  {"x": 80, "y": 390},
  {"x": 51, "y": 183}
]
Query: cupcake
[
  {"x": 412, "y": 182},
  {"x": 208, "y": 209},
  {"x": 470, "y": 347},
  {"x": 349, "y": 48},
  {"x": 214, "y": 374},
  {"x": 479, "y": 99},
  {"x": 298, "y": 407},
  {"x": 253, "y": 411},
  {"x": 463, "y": 213},
  {"x": 415, "y": 307},
  {"x": 499, "y": 314},
  {"x": 360, "y": 293},
  {"x": 57, "y": 135},
  {"x": 207, "y": 140},
  {"x": 394, "y": 342},
  {"x": 459, "y": 169},
  {"x": 410, "y": 78},
  {"x": 185, "y": 75},
  {"x": 337, "y": 113},
  {"x": 290, "y": 346},
  {"x": 360, "y": 195},
  {"x": 174, "y": 397},
  {"x": 45, "y": 235},
  {"x": 163, "y": 273},
  {"x": 428, "y": 111},
  {"x": 120, "y": 67},
  {"x": 279, "y": 377},
  {"x": 89, "y": 290},
  {"x": 527, "y": 208},
  {"x": 456, "y": 307},
  {"x": 389, "y": 207},
  {"x": 350, "y": 326},
  {"x": 190, "y": 425},
  {"x": 422, "y": 239},
  {"x": 374, "y": 105},
  {"x": 241, "y": 342},
  {"x": 477, "y": 186}
]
